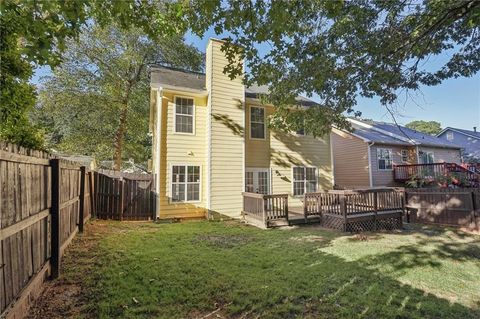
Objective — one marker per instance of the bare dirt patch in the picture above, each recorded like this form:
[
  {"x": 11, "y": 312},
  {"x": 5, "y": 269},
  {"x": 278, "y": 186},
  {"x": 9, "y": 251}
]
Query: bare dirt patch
[
  {"x": 309, "y": 239},
  {"x": 66, "y": 296},
  {"x": 223, "y": 241}
]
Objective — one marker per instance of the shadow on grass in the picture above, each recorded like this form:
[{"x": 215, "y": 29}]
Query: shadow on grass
[{"x": 173, "y": 274}]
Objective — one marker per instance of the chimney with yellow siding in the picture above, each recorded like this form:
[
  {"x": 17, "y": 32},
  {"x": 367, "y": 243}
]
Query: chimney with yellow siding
[{"x": 225, "y": 135}]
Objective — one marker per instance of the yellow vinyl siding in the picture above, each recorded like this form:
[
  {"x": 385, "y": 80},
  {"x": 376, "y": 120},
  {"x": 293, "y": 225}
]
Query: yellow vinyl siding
[
  {"x": 289, "y": 150},
  {"x": 350, "y": 160},
  {"x": 226, "y": 134},
  {"x": 182, "y": 149}
]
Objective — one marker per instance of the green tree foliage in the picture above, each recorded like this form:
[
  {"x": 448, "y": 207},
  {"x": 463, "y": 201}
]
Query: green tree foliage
[
  {"x": 340, "y": 50},
  {"x": 34, "y": 33},
  {"x": 97, "y": 100},
  {"x": 428, "y": 127}
]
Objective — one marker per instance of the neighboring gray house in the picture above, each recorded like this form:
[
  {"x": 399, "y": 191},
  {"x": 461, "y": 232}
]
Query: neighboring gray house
[{"x": 469, "y": 140}]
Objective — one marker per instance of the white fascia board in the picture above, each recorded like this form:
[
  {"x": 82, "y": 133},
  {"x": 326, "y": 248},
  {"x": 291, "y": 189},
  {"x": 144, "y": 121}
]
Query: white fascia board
[{"x": 194, "y": 92}]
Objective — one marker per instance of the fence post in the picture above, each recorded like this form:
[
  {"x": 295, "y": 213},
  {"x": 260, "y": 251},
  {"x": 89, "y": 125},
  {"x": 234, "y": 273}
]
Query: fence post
[
  {"x": 55, "y": 219},
  {"x": 375, "y": 209},
  {"x": 93, "y": 207},
  {"x": 122, "y": 186},
  {"x": 81, "y": 213},
  {"x": 474, "y": 210}
]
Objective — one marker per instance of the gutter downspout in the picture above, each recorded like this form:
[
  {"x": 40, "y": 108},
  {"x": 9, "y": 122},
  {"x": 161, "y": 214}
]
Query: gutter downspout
[
  {"x": 332, "y": 163},
  {"x": 370, "y": 175},
  {"x": 158, "y": 127}
]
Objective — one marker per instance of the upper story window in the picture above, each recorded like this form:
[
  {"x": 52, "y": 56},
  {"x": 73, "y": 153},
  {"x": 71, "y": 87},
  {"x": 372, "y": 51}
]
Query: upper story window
[
  {"x": 184, "y": 115},
  {"x": 304, "y": 180},
  {"x": 384, "y": 158},
  {"x": 450, "y": 136},
  {"x": 257, "y": 122},
  {"x": 404, "y": 154}
]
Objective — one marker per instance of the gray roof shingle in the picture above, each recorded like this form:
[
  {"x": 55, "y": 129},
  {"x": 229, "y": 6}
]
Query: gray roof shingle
[
  {"x": 416, "y": 137},
  {"x": 176, "y": 77},
  {"x": 163, "y": 75}
]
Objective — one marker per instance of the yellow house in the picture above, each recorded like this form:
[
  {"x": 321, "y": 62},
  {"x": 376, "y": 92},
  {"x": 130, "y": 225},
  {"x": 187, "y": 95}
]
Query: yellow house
[{"x": 211, "y": 143}]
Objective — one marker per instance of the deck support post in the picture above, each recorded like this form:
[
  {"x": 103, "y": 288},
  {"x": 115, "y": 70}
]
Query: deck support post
[
  {"x": 343, "y": 211},
  {"x": 285, "y": 208},
  {"x": 264, "y": 211},
  {"x": 305, "y": 207}
]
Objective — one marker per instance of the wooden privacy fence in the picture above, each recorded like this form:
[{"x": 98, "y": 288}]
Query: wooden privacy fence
[
  {"x": 43, "y": 203},
  {"x": 124, "y": 196},
  {"x": 457, "y": 207}
]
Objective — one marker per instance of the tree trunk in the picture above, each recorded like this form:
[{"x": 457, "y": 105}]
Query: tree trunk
[
  {"x": 122, "y": 126},
  {"x": 119, "y": 137}
]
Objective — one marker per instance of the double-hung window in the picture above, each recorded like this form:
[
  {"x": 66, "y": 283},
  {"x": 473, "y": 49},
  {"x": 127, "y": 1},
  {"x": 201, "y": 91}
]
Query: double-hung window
[
  {"x": 304, "y": 180},
  {"x": 257, "y": 122},
  {"x": 384, "y": 158},
  {"x": 184, "y": 115},
  {"x": 185, "y": 183}
]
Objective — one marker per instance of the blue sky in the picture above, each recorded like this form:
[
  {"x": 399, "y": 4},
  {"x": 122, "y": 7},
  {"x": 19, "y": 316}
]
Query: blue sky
[{"x": 456, "y": 102}]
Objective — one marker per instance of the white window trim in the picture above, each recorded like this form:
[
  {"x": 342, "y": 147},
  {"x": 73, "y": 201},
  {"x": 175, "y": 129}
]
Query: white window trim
[
  {"x": 304, "y": 181},
  {"x": 449, "y": 136},
  {"x": 260, "y": 169},
  {"x": 391, "y": 158},
  {"x": 264, "y": 122},
  {"x": 170, "y": 200},
  {"x": 401, "y": 155},
  {"x": 175, "y": 114}
]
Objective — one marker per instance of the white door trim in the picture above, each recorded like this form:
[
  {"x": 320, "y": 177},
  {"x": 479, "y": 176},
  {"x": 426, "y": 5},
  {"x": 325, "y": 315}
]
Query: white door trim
[{"x": 255, "y": 176}]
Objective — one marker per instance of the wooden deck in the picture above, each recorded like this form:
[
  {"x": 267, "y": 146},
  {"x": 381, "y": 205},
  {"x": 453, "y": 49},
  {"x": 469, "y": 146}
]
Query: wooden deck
[{"x": 347, "y": 210}]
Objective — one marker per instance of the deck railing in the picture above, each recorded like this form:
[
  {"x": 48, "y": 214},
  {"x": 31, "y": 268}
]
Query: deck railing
[
  {"x": 372, "y": 200},
  {"x": 340, "y": 205},
  {"x": 403, "y": 173},
  {"x": 265, "y": 208},
  {"x": 316, "y": 203}
]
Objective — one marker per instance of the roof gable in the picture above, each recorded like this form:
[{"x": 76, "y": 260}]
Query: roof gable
[{"x": 472, "y": 134}]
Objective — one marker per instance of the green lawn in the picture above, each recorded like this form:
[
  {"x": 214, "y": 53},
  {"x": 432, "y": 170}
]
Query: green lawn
[{"x": 188, "y": 270}]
